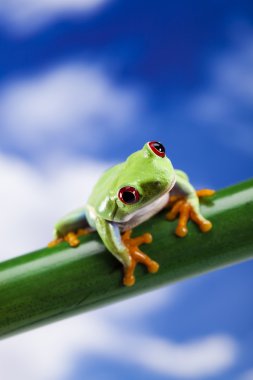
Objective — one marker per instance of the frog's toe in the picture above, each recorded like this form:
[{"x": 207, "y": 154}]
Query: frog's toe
[
  {"x": 172, "y": 214},
  {"x": 153, "y": 267},
  {"x": 84, "y": 231},
  {"x": 129, "y": 278},
  {"x": 204, "y": 224},
  {"x": 205, "y": 193},
  {"x": 54, "y": 242},
  {"x": 137, "y": 256},
  {"x": 181, "y": 231},
  {"x": 181, "y": 207}
]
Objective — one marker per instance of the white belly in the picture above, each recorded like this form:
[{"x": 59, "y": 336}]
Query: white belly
[{"x": 144, "y": 213}]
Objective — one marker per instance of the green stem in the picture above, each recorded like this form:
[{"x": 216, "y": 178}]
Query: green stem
[{"x": 51, "y": 284}]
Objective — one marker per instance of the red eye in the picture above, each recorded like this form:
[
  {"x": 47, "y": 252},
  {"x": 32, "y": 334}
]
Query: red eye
[
  {"x": 128, "y": 195},
  {"x": 157, "y": 148}
]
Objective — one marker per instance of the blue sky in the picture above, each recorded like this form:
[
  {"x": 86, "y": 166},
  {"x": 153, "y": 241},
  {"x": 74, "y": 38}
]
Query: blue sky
[{"x": 85, "y": 83}]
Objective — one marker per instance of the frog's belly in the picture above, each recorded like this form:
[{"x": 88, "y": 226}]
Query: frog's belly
[{"x": 144, "y": 213}]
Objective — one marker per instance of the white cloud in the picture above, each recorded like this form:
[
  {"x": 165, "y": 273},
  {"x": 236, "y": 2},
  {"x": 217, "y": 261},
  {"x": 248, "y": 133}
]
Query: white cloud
[
  {"x": 39, "y": 200},
  {"x": 29, "y": 15},
  {"x": 49, "y": 352},
  {"x": 65, "y": 104},
  {"x": 30, "y": 202},
  {"x": 196, "y": 359},
  {"x": 225, "y": 105}
]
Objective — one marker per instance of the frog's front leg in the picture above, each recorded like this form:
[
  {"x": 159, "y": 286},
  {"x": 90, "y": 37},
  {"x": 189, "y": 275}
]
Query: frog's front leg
[
  {"x": 137, "y": 256},
  {"x": 70, "y": 228},
  {"x": 125, "y": 248},
  {"x": 185, "y": 203}
]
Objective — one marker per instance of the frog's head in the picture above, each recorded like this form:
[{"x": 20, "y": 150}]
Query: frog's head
[{"x": 146, "y": 175}]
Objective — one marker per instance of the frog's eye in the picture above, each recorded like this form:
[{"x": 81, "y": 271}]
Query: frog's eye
[
  {"x": 129, "y": 195},
  {"x": 157, "y": 148}
]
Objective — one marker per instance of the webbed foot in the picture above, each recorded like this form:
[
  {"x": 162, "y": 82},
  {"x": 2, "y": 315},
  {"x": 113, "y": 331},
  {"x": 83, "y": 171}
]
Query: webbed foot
[
  {"x": 71, "y": 238},
  {"x": 186, "y": 210},
  {"x": 137, "y": 256}
]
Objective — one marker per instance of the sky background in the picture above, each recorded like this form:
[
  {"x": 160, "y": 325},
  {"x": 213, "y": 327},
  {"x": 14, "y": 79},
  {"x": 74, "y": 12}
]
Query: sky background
[{"x": 83, "y": 84}]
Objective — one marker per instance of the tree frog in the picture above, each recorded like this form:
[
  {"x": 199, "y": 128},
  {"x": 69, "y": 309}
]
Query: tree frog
[{"x": 125, "y": 196}]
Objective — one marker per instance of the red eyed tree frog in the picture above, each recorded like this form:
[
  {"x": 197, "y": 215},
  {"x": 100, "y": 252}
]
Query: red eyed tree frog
[{"x": 124, "y": 197}]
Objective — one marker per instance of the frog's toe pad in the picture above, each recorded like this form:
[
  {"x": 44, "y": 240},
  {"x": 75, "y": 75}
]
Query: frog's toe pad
[
  {"x": 153, "y": 267},
  {"x": 129, "y": 280},
  {"x": 205, "y": 193},
  {"x": 147, "y": 238},
  {"x": 205, "y": 226},
  {"x": 181, "y": 231}
]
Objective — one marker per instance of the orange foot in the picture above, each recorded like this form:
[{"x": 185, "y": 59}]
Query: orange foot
[
  {"x": 137, "y": 256},
  {"x": 179, "y": 205},
  {"x": 71, "y": 238}
]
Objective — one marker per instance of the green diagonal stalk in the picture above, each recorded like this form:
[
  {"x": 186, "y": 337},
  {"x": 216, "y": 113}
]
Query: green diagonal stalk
[{"x": 52, "y": 284}]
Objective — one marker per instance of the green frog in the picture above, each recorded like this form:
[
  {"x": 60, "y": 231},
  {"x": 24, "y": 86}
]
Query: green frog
[{"x": 125, "y": 196}]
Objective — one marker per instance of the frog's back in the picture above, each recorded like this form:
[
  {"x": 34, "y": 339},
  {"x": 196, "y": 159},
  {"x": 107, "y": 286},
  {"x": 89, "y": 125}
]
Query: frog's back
[{"x": 104, "y": 185}]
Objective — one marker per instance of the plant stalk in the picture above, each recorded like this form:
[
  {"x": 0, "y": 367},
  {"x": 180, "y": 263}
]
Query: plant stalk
[{"x": 55, "y": 283}]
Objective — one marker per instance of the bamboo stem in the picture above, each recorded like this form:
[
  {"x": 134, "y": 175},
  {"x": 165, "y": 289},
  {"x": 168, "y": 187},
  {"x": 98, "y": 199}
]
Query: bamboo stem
[{"x": 54, "y": 283}]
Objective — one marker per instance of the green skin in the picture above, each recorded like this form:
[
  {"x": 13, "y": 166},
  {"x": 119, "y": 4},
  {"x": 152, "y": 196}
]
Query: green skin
[{"x": 154, "y": 177}]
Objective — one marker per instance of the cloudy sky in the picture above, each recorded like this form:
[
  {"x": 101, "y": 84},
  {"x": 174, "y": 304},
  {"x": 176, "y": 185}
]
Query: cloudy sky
[{"x": 84, "y": 83}]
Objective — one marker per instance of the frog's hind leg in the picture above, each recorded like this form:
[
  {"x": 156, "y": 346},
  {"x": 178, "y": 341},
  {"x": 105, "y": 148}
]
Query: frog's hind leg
[
  {"x": 70, "y": 228},
  {"x": 137, "y": 256},
  {"x": 185, "y": 203}
]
